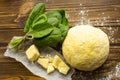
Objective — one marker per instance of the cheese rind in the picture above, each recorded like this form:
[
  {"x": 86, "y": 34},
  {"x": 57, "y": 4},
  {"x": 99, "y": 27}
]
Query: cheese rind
[{"x": 32, "y": 53}]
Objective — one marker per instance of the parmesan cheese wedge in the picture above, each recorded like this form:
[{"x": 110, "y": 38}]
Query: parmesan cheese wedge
[
  {"x": 32, "y": 53},
  {"x": 46, "y": 63},
  {"x": 43, "y": 62},
  {"x": 50, "y": 68},
  {"x": 60, "y": 65}
]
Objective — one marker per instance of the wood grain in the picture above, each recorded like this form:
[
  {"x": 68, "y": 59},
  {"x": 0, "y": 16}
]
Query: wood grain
[{"x": 104, "y": 14}]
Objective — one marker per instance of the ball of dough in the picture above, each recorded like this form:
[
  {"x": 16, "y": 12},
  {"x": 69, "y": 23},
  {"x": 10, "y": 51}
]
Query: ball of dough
[{"x": 85, "y": 47}]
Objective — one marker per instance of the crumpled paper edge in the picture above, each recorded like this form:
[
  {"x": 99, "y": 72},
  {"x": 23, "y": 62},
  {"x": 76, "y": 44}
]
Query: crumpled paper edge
[{"x": 35, "y": 68}]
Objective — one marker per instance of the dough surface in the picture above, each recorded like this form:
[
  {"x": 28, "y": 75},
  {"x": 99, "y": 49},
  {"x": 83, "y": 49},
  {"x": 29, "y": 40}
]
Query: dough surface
[{"x": 85, "y": 47}]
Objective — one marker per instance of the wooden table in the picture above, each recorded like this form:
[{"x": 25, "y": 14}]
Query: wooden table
[{"x": 104, "y": 14}]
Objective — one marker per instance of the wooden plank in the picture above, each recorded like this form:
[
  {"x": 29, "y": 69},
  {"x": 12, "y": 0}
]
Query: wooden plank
[
  {"x": 20, "y": 77},
  {"x": 7, "y": 34},
  {"x": 97, "y": 10},
  {"x": 104, "y": 14}
]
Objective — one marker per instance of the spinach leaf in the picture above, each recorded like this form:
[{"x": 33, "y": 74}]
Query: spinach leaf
[
  {"x": 60, "y": 23},
  {"x": 50, "y": 40},
  {"x": 64, "y": 30},
  {"x": 36, "y": 11},
  {"x": 41, "y": 30},
  {"x": 40, "y": 19},
  {"x": 64, "y": 19},
  {"x": 54, "y": 21},
  {"x": 47, "y": 28},
  {"x": 54, "y": 14},
  {"x": 64, "y": 25},
  {"x": 15, "y": 43}
]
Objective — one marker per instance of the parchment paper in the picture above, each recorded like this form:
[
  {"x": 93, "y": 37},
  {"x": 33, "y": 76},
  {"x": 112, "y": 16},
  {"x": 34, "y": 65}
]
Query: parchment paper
[{"x": 35, "y": 68}]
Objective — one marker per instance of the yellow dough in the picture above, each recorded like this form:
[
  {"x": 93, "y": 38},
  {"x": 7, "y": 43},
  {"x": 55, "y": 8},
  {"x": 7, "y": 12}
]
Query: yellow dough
[{"x": 85, "y": 47}]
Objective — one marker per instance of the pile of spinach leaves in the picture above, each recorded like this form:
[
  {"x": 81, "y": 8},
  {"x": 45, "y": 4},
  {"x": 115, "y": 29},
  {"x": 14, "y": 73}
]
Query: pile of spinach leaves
[{"x": 44, "y": 28}]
